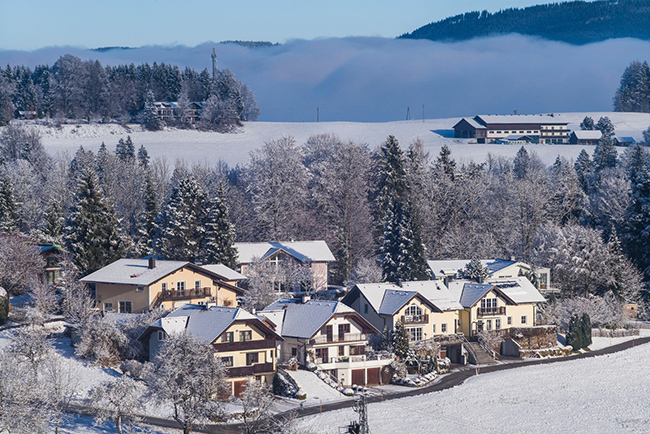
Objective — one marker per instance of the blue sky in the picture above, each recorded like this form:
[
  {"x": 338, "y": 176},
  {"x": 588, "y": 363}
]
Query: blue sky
[{"x": 33, "y": 24}]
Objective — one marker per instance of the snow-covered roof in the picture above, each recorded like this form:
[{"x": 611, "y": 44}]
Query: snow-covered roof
[
  {"x": 588, "y": 134},
  {"x": 472, "y": 122},
  {"x": 453, "y": 266},
  {"x": 394, "y": 300},
  {"x": 514, "y": 137},
  {"x": 226, "y": 272},
  {"x": 518, "y": 289},
  {"x": 205, "y": 324},
  {"x": 436, "y": 292},
  {"x": 304, "y": 251},
  {"x": 473, "y": 292},
  {"x": 303, "y": 320},
  {"x": 134, "y": 272},
  {"x": 388, "y": 298},
  {"x": 520, "y": 119}
]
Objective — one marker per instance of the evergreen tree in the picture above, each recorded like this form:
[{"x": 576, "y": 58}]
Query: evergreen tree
[
  {"x": 92, "y": 230},
  {"x": 54, "y": 222},
  {"x": 587, "y": 124},
  {"x": 633, "y": 94},
  {"x": 446, "y": 163},
  {"x": 143, "y": 157},
  {"x": 219, "y": 238},
  {"x": 8, "y": 206},
  {"x": 125, "y": 149},
  {"x": 386, "y": 343},
  {"x": 604, "y": 155},
  {"x": 606, "y": 127},
  {"x": 182, "y": 222},
  {"x": 574, "y": 333},
  {"x": 400, "y": 340},
  {"x": 4, "y": 306},
  {"x": 475, "y": 270},
  {"x": 148, "y": 226},
  {"x": 584, "y": 169},
  {"x": 150, "y": 118},
  {"x": 585, "y": 326},
  {"x": 646, "y": 137},
  {"x": 637, "y": 224},
  {"x": 521, "y": 164}
]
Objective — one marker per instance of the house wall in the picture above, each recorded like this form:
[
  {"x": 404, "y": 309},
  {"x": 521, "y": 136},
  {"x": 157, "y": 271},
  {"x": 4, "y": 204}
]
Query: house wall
[
  {"x": 427, "y": 328},
  {"x": 109, "y": 293},
  {"x": 369, "y": 313},
  {"x": 513, "y": 311},
  {"x": 450, "y": 318},
  {"x": 319, "y": 275}
]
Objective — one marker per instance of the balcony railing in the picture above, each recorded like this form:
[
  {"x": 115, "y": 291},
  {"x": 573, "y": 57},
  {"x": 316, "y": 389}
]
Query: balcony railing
[
  {"x": 348, "y": 337},
  {"x": 487, "y": 311},
  {"x": 415, "y": 319},
  {"x": 246, "y": 345},
  {"x": 186, "y": 293},
  {"x": 244, "y": 371}
]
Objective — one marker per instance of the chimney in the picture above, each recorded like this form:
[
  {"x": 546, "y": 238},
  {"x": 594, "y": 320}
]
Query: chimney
[{"x": 152, "y": 263}]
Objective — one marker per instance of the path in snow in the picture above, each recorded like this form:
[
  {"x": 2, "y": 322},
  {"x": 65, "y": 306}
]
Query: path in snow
[{"x": 315, "y": 388}]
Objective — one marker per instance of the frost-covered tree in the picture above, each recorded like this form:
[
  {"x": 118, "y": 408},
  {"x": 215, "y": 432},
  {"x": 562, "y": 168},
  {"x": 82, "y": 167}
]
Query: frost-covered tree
[
  {"x": 633, "y": 94},
  {"x": 606, "y": 127},
  {"x": 125, "y": 149},
  {"x": 637, "y": 223},
  {"x": 219, "y": 237},
  {"x": 587, "y": 124},
  {"x": 187, "y": 375},
  {"x": 8, "y": 206},
  {"x": 256, "y": 402},
  {"x": 150, "y": 118},
  {"x": 366, "y": 271},
  {"x": 118, "y": 401},
  {"x": 148, "y": 225},
  {"x": 30, "y": 346},
  {"x": 521, "y": 164},
  {"x": 19, "y": 142},
  {"x": 143, "y": 157},
  {"x": 102, "y": 342},
  {"x": 568, "y": 200},
  {"x": 584, "y": 169},
  {"x": 475, "y": 270},
  {"x": 400, "y": 340},
  {"x": 92, "y": 232},
  {"x": 60, "y": 384},
  {"x": 182, "y": 222},
  {"x": 54, "y": 223},
  {"x": 21, "y": 263},
  {"x": 4, "y": 306}
]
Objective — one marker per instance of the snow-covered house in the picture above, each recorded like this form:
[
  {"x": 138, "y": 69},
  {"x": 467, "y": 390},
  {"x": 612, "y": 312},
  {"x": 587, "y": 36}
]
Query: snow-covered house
[
  {"x": 585, "y": 137},
  {"x": 286, "y": 254},
  {"x": 140, "y": 285},
  {"x": 451, "y": 269},
  {"x": 425, "y": 308},
  {"x": 52, "y": 253},
  {"x": 496, "y": 304},
  {"x": 546, "y": 129},
  {"x": 246, "y": 344},
  {"x": 329, "y": 334}
]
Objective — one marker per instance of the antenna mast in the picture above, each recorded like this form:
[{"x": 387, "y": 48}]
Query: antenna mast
[{"x": 214, "y": 64}]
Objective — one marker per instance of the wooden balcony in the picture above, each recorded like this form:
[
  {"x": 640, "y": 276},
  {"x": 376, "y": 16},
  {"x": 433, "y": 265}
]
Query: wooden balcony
[
  {"x": 245, "y": 345},
  {"x": 415, "y": 319},
  {"x": 491, "y": 311},
  {"x": 186, "y": 294},
  {"x": 245, "y": 371},
  {"x": 348, "y": 337}
]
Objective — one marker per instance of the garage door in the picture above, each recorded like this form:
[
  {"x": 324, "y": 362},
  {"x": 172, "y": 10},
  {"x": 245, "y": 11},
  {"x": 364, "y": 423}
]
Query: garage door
[
  {"x": 358, "y": 377},
  {"x": 373, "y": 376},
  {"x": 239, "y": 388}
]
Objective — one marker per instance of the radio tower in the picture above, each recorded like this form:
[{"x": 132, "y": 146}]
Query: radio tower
[
  {"x": 214, "y": 64},
  {"x": 360, "y": 406}
]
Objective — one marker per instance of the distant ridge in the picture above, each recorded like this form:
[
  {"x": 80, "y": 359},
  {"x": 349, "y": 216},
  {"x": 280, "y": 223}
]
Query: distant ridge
[
  {"x": 576, "y": 22},
  {"x": 105, "y": 49},
  {"x": 252, "y": 44}
]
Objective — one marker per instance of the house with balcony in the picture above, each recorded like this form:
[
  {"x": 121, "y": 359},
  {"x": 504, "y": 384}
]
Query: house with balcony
[
  {"x": 52, "y": 253},
  {"x": 141, "y": 285},
  {"x": 496, "y": 304},
  {"x": 246, "y": 344},
  {"x": 427, "y": 309},
  {"x": 286, "y": 257},
  {"x": 329, "y": 334},
  {"x": 497, "y": 268}
]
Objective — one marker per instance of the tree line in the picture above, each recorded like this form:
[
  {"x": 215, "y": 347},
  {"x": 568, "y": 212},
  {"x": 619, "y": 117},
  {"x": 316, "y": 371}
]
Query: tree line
[{"x": 76, "y": 89}]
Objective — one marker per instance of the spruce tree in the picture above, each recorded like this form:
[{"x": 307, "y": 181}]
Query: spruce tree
[
  {"x": 150, "y": 118},
  {"x": 587, "y": 124},
  {"x": 475, "y": 270},
  {"x": 54, "y": 222},
  {"x": 584, "y": 169},
  {"x": 219, "y": 239},
  {"x": 148, "y": 225},
  {"x": 606, "y": 127},
  {"x": 585, "y": 330},
  {"x": 400, "y": 340},
  {"x": 125, "y": 149},
  {"x": 574, "y": 333},
  {"x": 4, "y": 306},
  {"x": 521, "y": 164},
  {"x": 92, "y": 232},
  {"x": 143, "y": 157},
  {"x": 605, "y": 155},
  {"x": 8, "y": 207},
  {"x": 637, "y": 224},
  {"x": 182, "y": 222}
]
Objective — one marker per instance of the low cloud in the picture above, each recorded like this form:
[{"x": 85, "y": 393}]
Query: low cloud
[{"x": 377, "y": 79}]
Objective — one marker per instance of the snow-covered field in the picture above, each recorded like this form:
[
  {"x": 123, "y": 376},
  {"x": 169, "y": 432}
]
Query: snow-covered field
[
  {"x": 605, "y": 394},
  {"x": 199, "y": 147}
]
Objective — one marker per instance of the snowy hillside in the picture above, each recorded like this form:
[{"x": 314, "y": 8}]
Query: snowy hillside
[
  {"x": 606, "y": 394},
  {"x": 194, "y": 147}
]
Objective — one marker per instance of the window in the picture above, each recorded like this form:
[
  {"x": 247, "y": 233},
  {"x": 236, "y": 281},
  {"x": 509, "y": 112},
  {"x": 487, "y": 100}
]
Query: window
[
  {"x": 434, "y": 328},
  {"x": 341, "y": 350},
  {"x": 458, "y": 323},
  {"x": 413, "y": 310},
  {"x": 497, "y": 324},
  {"x": 197, "y": 284},
  {"x": 228, "y": 337},
  {"x": 479, "y": 326},
  {"x": 139, "y": 288},
  {"x": 357, "y": 350},
  {"x": 227, "y": 361},
  {"x": 294, "y": 352},
  {"x": 509, "y": 320},
  {"x": 414, "y": 333},
  {"x": 163, "y": 286},
  {"x": 245, "y": 335},
  {"x": 523, "y": 319},
  {"x": 488, "y": 324},
  {"x": 252, "y": 358},
  {"x": 343, "y": 329},
  {"x": 443, "y": 327},
  {"x": 180, "y": 287},
  {"x": 126, "y": 306},
  {"x": 365, "y": 308},
  {"x": 108, "y": 307},
  {"x": 161, "y": 335}
]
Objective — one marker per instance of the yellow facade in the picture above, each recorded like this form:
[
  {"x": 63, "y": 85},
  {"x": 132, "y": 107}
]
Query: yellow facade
[{"x": 499, "y": 317}]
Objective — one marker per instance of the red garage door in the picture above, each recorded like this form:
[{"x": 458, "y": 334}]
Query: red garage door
[
  {"x": 358, "y": 377},
  {"x": 239, "y": 388},
  {"x": 373, "y": 376}
]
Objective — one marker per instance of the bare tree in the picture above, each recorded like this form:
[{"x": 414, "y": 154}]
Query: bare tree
[
  {"x": 187, "y": 375},
  {"x": 60, "y": 386},
  {"x": 256, "y": 401},
  {"x": 118, "y": 401},
  {"x": 20, "y": 263},
  {"x": 29, "y": 345}
]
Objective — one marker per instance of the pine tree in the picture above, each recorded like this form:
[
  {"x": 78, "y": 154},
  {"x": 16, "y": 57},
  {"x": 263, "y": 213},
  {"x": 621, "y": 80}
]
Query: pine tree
[
  {"x": 475, "y": 270},
  {"x": 574, "y": 333},
  {"x": 148, "y": 226},
  {"x": 400, "y": 340},
  {"x": 637, "y": 224},
  {"x": 587, "y": 124},
  {"x": 8, "y": 207},
  {"x": 125, "y": 149},
  {"x": 54, "y": 222},
  {"x": 219, "y": 238},
  {"x": 606, "y": 127},
  {"x": 92, "y": 230},
  {"x": 181, "y": 224},
  {"x": 585, "y": 330},
  {"x": 446, "y": 163},
  {"x": 150, "y": 118},
  {"x": 521, "y": 164},
  {"x": 633, "y": 94},
  {"x": 605, "y": 155},
  {"x": 584, "y": 169},
  {"x": 143, "y": 157}
]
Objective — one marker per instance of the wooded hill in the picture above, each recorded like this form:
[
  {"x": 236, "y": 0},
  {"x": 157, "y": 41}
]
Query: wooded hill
[{"x": 576, "y": 22}]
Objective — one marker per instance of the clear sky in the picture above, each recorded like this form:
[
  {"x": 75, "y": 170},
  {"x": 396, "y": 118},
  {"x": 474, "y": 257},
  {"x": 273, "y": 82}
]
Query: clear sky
[{"x": 33, "y": 24}]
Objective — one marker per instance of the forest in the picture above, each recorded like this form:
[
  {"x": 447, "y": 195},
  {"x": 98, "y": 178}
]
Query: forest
[
  {"x": 575, "y": 22},
  {"x": 75, "y": 89},
  {"x": 378, "y": 208}
]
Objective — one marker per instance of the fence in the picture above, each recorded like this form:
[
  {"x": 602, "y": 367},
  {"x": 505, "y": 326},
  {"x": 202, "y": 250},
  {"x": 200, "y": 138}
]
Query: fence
[{"x": 617, "y": 333}]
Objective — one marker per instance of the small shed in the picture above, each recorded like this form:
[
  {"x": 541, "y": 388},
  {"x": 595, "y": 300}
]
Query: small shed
[{"x": 585, "y": 137}]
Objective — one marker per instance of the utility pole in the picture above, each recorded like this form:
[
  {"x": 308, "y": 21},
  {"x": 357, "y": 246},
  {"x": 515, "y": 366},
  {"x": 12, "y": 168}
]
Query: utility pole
[
  {"x": 214, "y": 64},
  {"x": 317, "y": 114},
  {"x": 422, "y": 113},
  {"x": 408, "y": 113},
  {"x": 361, "y": 407}
]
